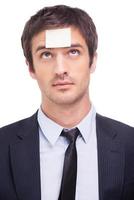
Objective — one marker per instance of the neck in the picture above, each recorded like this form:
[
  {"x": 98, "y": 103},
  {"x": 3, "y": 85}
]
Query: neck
[{"x": 66, "y": 115}]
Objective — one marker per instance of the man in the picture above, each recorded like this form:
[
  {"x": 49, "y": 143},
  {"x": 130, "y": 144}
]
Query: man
[{"x": 37, "y": 161}]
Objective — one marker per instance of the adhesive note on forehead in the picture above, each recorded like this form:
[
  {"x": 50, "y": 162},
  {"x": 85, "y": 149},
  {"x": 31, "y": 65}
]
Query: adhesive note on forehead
[{"x": 57, "y": 38}]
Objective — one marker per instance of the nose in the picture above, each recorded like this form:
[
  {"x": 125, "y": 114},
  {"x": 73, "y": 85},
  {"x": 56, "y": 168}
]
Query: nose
[{"x": 60, "y": 67}]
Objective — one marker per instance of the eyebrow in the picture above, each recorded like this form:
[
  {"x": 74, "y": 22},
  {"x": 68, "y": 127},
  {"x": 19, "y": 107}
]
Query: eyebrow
[{"x": 41, "y": 47}]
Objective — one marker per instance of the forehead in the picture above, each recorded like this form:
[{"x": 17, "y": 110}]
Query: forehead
[{"x": 58, "y": 38}]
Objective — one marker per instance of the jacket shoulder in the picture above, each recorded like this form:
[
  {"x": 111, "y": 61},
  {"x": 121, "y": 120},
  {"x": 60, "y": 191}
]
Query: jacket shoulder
[
  {"x": 10, "y": 131},
  {"x": 124, "y": 132},
  {"x": 106, "y": 121}
]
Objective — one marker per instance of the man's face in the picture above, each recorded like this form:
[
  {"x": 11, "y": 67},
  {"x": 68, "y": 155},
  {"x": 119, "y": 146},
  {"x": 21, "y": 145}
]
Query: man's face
[{"x": 62, "y": 74}]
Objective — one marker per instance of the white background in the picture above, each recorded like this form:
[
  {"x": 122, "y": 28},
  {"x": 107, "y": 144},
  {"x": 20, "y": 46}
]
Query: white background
[{"x": 112, "y": 85}]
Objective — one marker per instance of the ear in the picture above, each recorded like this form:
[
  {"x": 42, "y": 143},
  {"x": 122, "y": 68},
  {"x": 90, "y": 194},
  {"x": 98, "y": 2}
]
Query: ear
[
  {"x": 93, "y": 65},
  {"x": 31, "y": 71}
]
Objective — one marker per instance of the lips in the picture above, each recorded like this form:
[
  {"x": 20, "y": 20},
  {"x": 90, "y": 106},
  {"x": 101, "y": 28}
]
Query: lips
[{"x": 62, "y": 84}]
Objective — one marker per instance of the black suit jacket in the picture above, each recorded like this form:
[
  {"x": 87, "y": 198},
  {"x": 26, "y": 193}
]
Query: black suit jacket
[{"x": 20, "y": 163}]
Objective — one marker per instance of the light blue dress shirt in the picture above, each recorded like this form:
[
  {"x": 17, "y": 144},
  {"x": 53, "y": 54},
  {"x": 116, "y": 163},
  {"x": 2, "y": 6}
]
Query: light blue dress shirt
[{"x": 52, "y": 150}]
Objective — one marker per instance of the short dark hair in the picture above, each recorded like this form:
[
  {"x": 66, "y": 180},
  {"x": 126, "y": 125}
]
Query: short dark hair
[{"x": 59, "y": 16}]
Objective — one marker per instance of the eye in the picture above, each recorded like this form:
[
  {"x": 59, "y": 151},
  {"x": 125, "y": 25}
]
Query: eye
[
  {"x": 74, "y": 52},
  {"x": 46, "y": 55}
]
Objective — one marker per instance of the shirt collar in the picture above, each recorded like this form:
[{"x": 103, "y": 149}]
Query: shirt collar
[
  {"x": 87, "y": 125},
  {"x": 52, "y": 130},
  {"x": 49, "y": 128}
]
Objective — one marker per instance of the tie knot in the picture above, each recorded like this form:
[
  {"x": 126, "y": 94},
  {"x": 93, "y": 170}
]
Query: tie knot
[{"x": 71, "y": 135}]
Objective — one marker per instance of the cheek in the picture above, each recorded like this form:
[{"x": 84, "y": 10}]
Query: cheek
[
  {"x": 42, "y": 72},
  {"x": 83, "y": 71},
  {"x": 84, "y": 76}
]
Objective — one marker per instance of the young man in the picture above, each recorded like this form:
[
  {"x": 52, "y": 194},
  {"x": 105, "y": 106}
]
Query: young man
[{"x": 37, "y": 160}]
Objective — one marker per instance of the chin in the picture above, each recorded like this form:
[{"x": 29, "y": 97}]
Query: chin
[{"x": 66, "y": 100}]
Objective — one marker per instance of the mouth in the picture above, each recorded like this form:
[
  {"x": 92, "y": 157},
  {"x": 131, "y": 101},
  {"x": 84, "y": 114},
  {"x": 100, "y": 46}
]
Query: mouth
[{"x": 62, "y": 84}]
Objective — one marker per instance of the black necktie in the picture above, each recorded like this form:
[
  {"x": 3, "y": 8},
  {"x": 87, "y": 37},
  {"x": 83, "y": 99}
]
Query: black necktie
[{"x": 68, "y": 184}]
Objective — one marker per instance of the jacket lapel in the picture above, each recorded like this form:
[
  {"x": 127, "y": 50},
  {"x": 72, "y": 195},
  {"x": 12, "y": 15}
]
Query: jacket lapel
[
  {"x": 110, "y": 160},
  {"x": 25, "y": 160}
]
